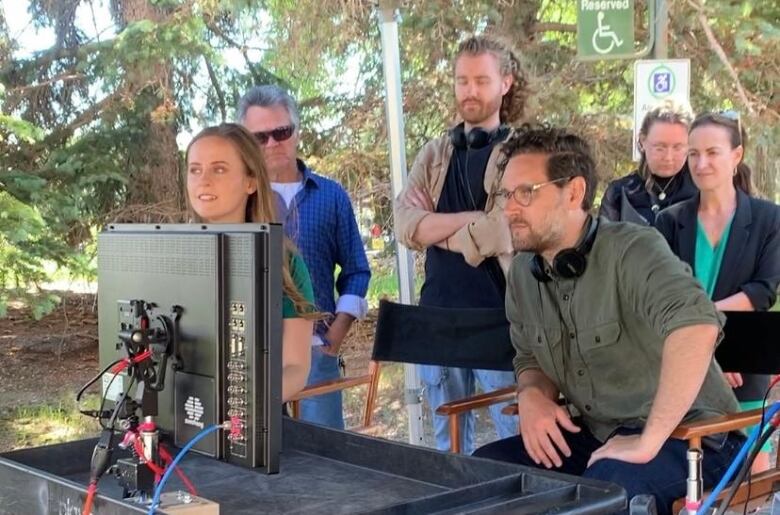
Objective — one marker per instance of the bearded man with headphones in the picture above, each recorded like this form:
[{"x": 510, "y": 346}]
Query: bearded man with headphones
[
  {"x": 604, "y": 314},
  {"x": 448, "y": 209}
]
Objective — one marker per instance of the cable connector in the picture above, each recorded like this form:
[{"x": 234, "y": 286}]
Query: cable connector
[
  {"x": 226, "y": 425},
  {"x": 101, "y": 456}
]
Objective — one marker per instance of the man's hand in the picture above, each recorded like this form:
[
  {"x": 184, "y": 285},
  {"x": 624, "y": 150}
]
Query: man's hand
[
  {"x": 540, "y": 418},
  {"x": 628, "y": 448},
  {"x": 419, "y": 198},
  {"x": 337, "y": 332},
  {"x": 734, "y": 379}
]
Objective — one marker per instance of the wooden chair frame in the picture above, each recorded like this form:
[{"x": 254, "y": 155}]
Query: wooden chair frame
[
  {"x": 371, "y": 378},
  {"x": 454, "y": 409}
]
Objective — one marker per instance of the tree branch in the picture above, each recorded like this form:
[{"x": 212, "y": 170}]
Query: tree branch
[
  {"x": 217, "y": 88},
  {"x": 64, "y": 77},
  {"x": 82, "y": 119},
  {"x": 718, "y": 49},
  {"x": 16, "y": 68}
]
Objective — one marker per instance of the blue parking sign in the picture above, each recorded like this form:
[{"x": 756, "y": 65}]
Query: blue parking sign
[{"x": 662, "y": 82}]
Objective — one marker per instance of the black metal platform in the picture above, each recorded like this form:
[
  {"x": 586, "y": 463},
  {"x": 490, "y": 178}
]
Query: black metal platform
[{"x": 322, "y": 471}]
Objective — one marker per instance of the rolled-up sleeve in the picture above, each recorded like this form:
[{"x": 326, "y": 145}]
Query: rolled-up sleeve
[
  {"x": 487, "y": 236},
  {"x": 660, "y": 287},
  {"x": 407, "y": 217}
]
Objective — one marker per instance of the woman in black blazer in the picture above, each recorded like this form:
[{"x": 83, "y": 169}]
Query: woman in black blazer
[
  {"x": 730, "y": 238},
  {"x": 662, "y": 178}
]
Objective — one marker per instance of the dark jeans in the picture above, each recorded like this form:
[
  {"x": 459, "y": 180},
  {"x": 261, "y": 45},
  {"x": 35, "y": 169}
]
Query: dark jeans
[{"x": 664, "y": 476}]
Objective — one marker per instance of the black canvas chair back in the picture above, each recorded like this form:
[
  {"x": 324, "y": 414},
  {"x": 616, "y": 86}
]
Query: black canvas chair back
[
  {"x": 451, "y": 337},
  {"x": 751, "y": 343}
]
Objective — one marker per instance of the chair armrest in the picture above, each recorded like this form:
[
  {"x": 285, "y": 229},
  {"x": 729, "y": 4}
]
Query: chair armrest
[
  {"x": 720, "y": 424},
  {"x": 477, "y": 401},
  {"x": 334, "y": 385}
]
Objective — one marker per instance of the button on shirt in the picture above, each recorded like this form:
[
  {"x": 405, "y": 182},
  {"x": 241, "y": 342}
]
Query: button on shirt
[{"x": 600, "y": 337}]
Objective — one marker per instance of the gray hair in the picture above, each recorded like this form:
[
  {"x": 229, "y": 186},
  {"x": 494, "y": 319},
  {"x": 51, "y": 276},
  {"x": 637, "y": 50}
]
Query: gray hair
[{"x": 269, "y": 95}]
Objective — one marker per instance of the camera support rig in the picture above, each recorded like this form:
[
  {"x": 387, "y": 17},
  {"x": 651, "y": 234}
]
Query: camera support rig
[{"x": 148, "y": 339}]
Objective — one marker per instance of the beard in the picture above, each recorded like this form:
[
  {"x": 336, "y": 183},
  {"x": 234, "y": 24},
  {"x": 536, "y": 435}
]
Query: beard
[
  {"x": 535, "y": 239},
  {"x": 476, "y": 111}
]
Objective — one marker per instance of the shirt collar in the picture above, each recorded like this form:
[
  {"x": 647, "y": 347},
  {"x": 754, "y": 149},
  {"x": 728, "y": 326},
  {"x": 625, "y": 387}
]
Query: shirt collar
[{"x": 309, "y": 178}]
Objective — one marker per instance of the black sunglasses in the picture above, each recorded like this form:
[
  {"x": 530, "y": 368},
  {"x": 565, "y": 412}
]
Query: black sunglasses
[{"x": 278, "y": 134}]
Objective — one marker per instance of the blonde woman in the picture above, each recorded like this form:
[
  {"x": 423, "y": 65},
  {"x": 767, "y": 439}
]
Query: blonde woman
[
  {"x": 227, "y": 183},
  {"x": 662, "y": 178}
]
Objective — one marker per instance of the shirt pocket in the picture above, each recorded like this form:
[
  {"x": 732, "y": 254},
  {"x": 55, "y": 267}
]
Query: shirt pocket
[
  {"x": 613, "y": 367},
  {"x": 600, "y": 336},
  {"x": 544, "y": 343}
]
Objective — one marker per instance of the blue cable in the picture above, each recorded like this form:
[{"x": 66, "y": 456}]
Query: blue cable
[
  {"x": 770, "y": 412},
  {"x": 179, "y": 456}
]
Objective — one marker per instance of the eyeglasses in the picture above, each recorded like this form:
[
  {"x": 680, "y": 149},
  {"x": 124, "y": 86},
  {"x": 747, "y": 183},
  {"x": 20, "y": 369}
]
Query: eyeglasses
[
  {"x": 734, "y": 116},
  {"x": 524, "y": 194},
  {"x": 661, "y": 149},
  {"x": 279, "y": 134}
]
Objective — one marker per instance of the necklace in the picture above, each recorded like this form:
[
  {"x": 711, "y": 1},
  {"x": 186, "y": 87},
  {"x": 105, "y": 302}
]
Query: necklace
[{"x": 662, "y": 194}]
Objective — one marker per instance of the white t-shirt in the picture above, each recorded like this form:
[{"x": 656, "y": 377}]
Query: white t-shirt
[{"x": 287, "y": 190}]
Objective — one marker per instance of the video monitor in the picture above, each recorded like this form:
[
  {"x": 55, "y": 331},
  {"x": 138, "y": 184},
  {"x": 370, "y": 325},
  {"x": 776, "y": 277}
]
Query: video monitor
[{"x": 211, "y": 295}]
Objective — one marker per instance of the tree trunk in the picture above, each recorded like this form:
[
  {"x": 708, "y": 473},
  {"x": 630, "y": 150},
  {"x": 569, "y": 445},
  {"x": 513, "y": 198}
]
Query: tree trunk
[{"x": 157, "y": 178}]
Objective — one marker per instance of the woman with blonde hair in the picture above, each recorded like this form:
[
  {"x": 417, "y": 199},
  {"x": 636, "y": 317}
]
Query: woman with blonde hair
[
  {"x": 227, "y": 183},
  {"x": 662, "y": 178}
]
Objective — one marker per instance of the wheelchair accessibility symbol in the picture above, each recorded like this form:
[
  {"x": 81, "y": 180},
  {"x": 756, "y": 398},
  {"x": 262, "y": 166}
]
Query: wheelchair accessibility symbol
[
  {"x": 661, "y": 82},
  {"x": 604, "y": 38}
]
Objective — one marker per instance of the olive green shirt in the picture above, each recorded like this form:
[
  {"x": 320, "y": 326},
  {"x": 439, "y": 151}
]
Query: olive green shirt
[{"x": 600, "y": 337}]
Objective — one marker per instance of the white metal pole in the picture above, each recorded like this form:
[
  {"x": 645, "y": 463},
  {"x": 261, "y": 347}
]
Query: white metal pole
[{"x": 388, "y": 24}]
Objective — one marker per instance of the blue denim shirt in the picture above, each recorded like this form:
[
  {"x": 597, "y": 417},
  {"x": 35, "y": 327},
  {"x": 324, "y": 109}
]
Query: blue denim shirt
[{"x": 321, "y": 222}]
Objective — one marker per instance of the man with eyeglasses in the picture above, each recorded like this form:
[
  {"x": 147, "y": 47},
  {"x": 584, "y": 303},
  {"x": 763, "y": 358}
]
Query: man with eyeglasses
[
  {"x": 318, "y": 216},
  {"x": 604, "y": 314},
  {"x": 448, "y": 209}
]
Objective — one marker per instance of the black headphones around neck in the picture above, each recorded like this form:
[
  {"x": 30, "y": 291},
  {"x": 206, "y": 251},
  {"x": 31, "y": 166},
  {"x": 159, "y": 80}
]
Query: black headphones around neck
[
  {"x": 476, "y": 138},
  {"x": 568, "y": 263}
]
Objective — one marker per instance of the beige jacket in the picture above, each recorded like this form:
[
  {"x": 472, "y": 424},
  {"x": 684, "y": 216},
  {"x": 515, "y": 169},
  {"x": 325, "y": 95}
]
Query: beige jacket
[{"x": 486, "y": 237}]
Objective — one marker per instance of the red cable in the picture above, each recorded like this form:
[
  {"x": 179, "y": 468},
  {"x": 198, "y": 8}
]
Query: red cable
[
  {"x": 91, "y": 491},
  {"x": 135, "y": 359},
  {"x": 775, "y": 380},
  {"x": 167, "y": 458},
  {"x": 184, "y": 479},
  {"x": 158, "y": 471}
]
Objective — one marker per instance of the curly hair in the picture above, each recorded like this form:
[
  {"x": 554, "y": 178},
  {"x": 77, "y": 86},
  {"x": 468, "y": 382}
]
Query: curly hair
[
  {"x": 514, "y": 101},
  {"x": 568, "y": 154}
]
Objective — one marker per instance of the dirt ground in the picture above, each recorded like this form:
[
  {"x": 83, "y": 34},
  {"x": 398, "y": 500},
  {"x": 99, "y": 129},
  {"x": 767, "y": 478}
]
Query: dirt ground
[{"x": 45, "y": 361}]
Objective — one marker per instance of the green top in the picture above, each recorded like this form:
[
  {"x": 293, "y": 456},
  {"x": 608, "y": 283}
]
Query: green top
[
  {"x": 302, "y": 280},
  {"x": 600, "y": 337},
  {"x": 708, "y": 258}
]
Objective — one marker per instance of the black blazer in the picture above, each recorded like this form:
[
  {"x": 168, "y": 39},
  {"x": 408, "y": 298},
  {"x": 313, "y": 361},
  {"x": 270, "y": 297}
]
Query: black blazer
[
  {"x": 627, "y": 199},
  {"x": 751, "y": 263}
]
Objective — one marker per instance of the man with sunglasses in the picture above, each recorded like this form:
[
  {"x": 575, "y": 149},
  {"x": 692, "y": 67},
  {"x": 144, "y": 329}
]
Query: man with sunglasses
[
  {"x": 604, "y": 314},
  {"x": 318, "y": 216},
  {"x": 448, "y": 209}
]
